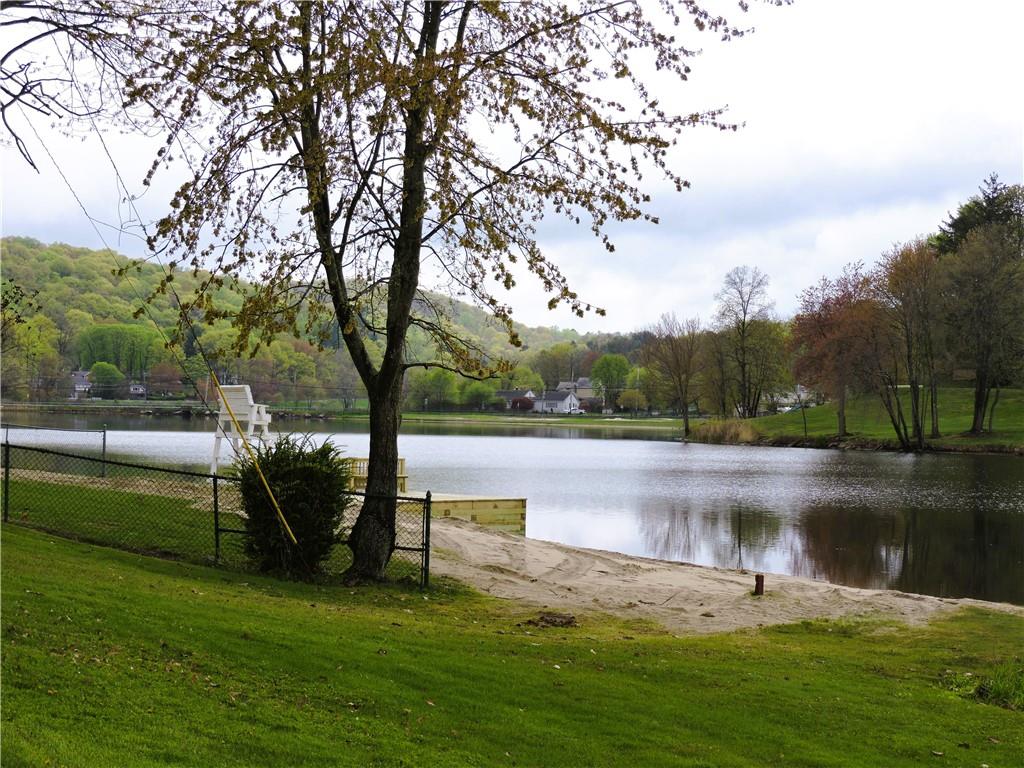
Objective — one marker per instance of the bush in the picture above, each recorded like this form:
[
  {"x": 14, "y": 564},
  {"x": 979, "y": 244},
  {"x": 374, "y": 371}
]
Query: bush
[{"x": 310, "y": 485}]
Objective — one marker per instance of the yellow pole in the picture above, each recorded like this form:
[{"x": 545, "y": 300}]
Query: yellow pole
[{"x": 252, "y": 457}]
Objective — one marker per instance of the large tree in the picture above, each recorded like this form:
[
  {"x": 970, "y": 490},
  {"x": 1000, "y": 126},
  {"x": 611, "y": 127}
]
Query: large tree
[
  {"x": 827, "y": 339},
  {"x": 609, "y": 374},
  {"x": 744, "y": 312},
  {"x": 982, "y": 250},
  {"x": 908, "y": 286},
  {"x": 671, "y": 349},
  {"x": 985, "y": 310},
  {"x": 333, "y": 149}
]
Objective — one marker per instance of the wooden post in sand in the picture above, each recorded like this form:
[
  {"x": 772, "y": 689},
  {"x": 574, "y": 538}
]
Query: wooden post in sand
[{"x": 759, "y": 585}]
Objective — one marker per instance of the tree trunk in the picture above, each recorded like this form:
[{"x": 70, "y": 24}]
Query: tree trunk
[
  {"x": 981, "y": 391},
  {"x": 934, "y": 388},
  {"x": 890, "y": 399},
  {"x": 992, "y": 410},
  {"x": 916, "y": 415},
  {"x": 840, "y": 413},
  {"x": 373, "y": 536}
]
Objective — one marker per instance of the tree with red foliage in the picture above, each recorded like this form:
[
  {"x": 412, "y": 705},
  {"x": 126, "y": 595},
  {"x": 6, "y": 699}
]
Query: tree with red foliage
[{"x": 826, "y": 340}]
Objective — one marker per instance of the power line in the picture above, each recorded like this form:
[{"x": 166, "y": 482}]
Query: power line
[{"x": 285, "y": 527}]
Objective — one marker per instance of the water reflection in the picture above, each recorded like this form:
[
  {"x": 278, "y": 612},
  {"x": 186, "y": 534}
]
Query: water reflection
[
  {"x": 737, "y": 536},
  {"x": 911, "y": 550}
]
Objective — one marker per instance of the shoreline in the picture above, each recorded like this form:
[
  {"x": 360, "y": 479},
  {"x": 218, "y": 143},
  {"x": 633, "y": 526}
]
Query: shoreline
[
  {"x": 678, "y": 596},
  {"x": 193, "y": 409},
  {"x": 853, "y": 443}
]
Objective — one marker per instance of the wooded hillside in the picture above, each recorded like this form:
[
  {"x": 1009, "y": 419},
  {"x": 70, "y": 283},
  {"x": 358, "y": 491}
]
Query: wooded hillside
[{"x": 66, "y": 310}]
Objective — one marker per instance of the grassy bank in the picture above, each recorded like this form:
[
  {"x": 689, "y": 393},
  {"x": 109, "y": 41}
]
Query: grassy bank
[
  {"x": 116, "y": 659},
  {"x": 868, "y": 423},
  {"x": 585, "y": 421}
]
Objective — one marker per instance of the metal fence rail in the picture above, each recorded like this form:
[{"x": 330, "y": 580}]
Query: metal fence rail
[
  {"x": 55, "y": 438},
  {"x": 172, "y": 512}
]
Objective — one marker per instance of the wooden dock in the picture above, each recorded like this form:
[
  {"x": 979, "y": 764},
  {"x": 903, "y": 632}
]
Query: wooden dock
[{"x": 358, "y": 471}]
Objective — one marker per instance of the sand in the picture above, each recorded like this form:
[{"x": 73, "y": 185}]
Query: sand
[{"x": 684, "y": 598}]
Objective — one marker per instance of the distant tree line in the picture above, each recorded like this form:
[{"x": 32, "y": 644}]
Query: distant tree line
[
  {"x": 938, "y": 309},
  {"x": 947, "y": 306}
]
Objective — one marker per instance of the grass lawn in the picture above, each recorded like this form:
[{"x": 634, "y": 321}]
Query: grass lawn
[
  {"x": 169, "y": 517},
  {"x": 111, "y": 658},
  {"x": 866, "y": 418}
]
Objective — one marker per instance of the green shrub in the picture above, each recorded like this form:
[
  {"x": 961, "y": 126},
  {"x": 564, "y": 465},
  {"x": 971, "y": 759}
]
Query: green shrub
[
  {"x": 310, "y": 485},
  {"x": 1004, "y": 687}
]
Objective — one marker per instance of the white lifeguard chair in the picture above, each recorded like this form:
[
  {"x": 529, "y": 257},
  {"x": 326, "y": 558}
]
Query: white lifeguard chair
[{"x": 252, "y": 418}]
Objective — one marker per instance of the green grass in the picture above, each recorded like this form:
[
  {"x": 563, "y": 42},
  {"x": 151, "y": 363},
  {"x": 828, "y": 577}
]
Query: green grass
[
  {"x": 866, "y": 419},
  {"x": 623, "y": 421},
  {"x": 111, "y": 658},
  {"x": 177, "y": 523}
]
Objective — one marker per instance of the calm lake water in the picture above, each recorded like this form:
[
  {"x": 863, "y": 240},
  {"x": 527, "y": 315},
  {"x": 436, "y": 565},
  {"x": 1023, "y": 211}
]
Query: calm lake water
[{"x": 948, "y": 525}]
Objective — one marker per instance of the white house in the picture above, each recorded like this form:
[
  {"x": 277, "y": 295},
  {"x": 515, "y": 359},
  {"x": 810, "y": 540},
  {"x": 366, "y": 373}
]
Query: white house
[
  {"x": 80, "y": 385},
  {"x": 558, "y": 401}
]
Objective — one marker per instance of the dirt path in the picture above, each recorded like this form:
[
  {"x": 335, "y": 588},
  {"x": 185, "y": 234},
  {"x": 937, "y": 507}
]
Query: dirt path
[{"x": 688, "y": 598}]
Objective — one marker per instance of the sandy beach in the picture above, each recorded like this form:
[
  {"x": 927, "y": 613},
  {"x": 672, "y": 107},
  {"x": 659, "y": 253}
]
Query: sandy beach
[{"x": 683, "y": 598}]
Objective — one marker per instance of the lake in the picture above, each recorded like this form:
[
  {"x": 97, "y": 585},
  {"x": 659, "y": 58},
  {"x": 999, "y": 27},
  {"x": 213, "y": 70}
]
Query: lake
[{"x": 940, "y": 524}]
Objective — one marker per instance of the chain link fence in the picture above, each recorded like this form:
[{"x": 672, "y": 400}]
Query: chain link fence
[{"x": 172, "y": 513}]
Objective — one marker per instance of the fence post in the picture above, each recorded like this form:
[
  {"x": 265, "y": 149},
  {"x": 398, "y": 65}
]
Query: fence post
[
  {"x": 425, "y": 580},
  {"x": 216, "y": 524},
  {"x": 7, "y": 481},
  {"x": 103, "y": 466}
]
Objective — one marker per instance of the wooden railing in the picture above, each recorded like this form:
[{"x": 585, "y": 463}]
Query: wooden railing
[{"x": 359, "y": 468}]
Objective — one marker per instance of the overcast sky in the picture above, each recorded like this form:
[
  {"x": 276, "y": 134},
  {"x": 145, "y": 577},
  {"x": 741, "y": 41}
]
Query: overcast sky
[{"x": 865, "y": 124}]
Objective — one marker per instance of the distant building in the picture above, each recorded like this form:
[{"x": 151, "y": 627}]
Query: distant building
[
  {"x": 558, "y": 401},
  {"x": 136, "y": 390},
  {"x": 508, "y": 395},
  {"x": 800, "y": 394},
  {"x": 80, "y": 385},
  {"x": 582, "y": 388}
]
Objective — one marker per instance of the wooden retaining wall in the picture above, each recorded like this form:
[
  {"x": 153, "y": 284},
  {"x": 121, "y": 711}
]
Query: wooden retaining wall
[{"x": 500, "y": 514}]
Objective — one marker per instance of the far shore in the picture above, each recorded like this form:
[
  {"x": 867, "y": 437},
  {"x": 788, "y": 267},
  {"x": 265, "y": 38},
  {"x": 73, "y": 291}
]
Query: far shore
[
  {"x": 670, "y": 427},
  {"x": 195, "y": 409}
]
